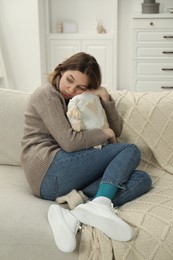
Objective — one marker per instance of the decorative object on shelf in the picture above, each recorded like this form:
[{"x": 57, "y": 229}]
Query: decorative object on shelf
[
  {"x": 150, "y": 7},
  {"x": 59, "y": 27},
  {"x": 100, "y": 28},
  {"x": 69, "y": 27},
  {"x": 79, "y": 34}
]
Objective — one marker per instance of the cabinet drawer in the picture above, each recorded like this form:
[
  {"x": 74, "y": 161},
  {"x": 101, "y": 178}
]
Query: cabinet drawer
[
  {"x": 163, "y": 37},
  {"x": 152, "y": 23},
  {"x": 154, "y": 85},
  {"x": 151, "y": 69},
  {"x": 154, "y": 52}
]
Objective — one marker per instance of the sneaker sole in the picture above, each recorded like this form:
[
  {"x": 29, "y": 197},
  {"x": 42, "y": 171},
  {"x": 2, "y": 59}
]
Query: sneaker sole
[
  {"x": 64, "y": 238},
  {"x": 114, "y": 227}
]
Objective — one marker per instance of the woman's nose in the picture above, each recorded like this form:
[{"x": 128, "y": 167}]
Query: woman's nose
[{"x": 72, "y": 89}]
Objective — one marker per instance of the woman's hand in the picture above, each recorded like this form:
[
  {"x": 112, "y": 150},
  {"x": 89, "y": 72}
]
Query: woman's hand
[
  {"x": 110, "y": 135},
  {"x": 100, "y": 92}
]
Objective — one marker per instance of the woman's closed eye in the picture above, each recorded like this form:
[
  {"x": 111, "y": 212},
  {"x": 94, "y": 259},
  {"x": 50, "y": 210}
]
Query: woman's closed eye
[
  {"x": 82, "y": 88},
  {"x": 70, "y": 80}
]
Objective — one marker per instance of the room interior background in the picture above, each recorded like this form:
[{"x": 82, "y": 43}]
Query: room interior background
[{"x": 22, "y": 61}]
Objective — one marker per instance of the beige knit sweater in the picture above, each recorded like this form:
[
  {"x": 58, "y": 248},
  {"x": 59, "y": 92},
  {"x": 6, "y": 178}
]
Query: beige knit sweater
[{"x": 47, "y": 130}]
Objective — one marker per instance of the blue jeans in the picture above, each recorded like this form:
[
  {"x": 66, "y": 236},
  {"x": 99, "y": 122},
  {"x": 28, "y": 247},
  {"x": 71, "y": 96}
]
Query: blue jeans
[{"x": 86, "y": 169}]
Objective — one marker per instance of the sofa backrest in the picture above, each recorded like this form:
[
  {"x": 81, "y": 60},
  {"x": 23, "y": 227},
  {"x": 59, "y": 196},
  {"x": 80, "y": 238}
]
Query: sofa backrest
[
  {"x": 12, "y": 107},
  {"x": 148, "y": 123}
]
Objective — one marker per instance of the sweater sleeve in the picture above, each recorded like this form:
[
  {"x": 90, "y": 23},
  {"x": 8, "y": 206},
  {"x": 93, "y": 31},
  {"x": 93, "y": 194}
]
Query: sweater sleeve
[
  {"x": 114, "y": 119},
  {"x": 53, "y": 114}
]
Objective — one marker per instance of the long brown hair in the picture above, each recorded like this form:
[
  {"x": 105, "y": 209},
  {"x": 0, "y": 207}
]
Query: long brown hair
[{"x": 82, "y": 62}]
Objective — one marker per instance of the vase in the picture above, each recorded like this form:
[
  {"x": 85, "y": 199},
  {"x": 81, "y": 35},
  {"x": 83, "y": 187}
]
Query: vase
[{"x": 150, "y": 7}]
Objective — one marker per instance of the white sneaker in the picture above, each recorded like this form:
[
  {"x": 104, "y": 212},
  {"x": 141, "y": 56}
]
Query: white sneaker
[
  {"x": 104, "y": 218},
  {"x": 64, "y": 226}
]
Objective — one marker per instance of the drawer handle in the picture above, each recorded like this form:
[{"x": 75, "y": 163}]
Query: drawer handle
[
  {"x": 167, "y": 52},
  {"x": 167, "y": 69},
  {"x": 167, "y": 87},
  {"x": 168, "y": 36}
]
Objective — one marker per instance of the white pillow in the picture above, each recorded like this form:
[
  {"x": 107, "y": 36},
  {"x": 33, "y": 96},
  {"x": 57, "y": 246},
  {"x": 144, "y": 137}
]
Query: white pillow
[{"x": 85, "y": 112}]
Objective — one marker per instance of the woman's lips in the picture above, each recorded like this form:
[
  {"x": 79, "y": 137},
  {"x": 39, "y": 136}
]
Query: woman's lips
[{"x": 66, "y": 95}]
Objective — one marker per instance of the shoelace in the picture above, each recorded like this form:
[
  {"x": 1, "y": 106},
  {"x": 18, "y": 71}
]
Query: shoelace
[
  {"x": 78, "y": 226},
  {"x": 114, "y": 209}
]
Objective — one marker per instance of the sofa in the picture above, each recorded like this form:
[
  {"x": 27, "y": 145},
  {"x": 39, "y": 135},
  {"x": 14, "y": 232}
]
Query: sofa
[{"x": 24, "y": 230}]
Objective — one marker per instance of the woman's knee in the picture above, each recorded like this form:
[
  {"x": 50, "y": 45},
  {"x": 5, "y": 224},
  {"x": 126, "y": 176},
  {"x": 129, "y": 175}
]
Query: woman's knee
[{"x": 135, "y": 151}]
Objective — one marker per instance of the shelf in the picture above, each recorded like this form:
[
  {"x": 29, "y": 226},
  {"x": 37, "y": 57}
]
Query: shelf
[
  {"x": 86, "y": 14},
  {"x": 78, "y": 21},
  {"x": 66, "y": 36},
  {"x": 155, "y": 16}
]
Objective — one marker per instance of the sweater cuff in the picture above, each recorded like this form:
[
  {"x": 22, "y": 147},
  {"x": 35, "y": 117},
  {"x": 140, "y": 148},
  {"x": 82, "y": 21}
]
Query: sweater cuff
[{"x": 95, "y": 137}]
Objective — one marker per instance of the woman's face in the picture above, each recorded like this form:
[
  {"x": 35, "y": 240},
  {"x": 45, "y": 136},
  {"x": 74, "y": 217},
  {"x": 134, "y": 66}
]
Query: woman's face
[{"x": 72, "y": 83}]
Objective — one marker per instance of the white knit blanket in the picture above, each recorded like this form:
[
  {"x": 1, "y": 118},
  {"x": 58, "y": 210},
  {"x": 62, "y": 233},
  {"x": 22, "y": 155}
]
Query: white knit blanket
[{"x": 148, "y": 122}]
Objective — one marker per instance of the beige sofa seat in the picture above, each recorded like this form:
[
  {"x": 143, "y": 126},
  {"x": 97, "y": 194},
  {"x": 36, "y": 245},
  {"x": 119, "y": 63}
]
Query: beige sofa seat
[{"x": 24, "y": 230}]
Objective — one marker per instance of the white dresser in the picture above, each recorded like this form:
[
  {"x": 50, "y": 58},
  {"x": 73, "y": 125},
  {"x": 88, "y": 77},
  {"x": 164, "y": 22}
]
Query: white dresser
[{"x": 153, "y": 52}]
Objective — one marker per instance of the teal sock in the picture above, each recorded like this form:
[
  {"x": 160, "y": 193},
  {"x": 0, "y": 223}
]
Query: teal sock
[{"x": 107, "y": 190}]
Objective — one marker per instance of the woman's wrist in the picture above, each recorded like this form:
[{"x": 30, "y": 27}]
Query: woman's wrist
[
  {"x": 108, "y": 132},
  {"x": 101, "y": 92},
  {"x": 105, "y": 97}
]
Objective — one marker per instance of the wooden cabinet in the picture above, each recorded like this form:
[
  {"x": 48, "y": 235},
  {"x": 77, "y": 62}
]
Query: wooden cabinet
[
  {"x": 103, "y": 46},
  {"x": 153, "y": 52}
]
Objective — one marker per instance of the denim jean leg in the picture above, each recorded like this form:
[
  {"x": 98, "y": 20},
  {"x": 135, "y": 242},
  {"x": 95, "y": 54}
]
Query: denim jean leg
[
  {"x": 138, "y": 184},
  {"x": 78, "y": 170},
  {"x": 118, "y": 170},
  {"x": 91, "y": 189},
  {"x": 121, "y": 167}
]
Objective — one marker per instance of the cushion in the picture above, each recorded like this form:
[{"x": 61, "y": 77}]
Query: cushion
[
  {"x": 12, "y": 106},
  {"x": 86, "y": 112}
]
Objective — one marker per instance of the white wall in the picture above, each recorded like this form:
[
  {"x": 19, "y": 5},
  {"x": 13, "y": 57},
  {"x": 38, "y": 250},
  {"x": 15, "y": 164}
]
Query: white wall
[{"x": 19, "y": 40}]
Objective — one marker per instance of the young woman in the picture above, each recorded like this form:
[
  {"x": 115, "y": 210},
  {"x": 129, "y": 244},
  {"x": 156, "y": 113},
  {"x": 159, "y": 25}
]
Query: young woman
[{"x": 56, "y": 159}]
